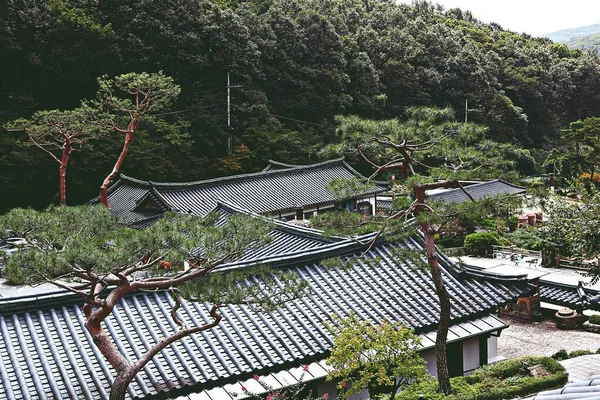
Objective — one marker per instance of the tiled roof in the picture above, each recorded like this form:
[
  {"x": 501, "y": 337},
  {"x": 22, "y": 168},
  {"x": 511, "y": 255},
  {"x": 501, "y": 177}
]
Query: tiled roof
[
  {"x": 288, "y": 239},
  {"x": 571, "y": 296},
  {"x": 478, "y": 191},
  {"x": 262, "y": 192},
  {"x": 279, "y": 165},
  {"x": 589, "y": 389},
  {"x": 384, "y": 204},
  {"x": 319, "y": 369},
  {"x": 50, "y": 329}
]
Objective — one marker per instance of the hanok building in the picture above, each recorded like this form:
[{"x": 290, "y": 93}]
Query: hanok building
[
  {"x": 478, "y": 190},
  {"x": 281, "y": 191},
  {"x": 47, "y": 353}
]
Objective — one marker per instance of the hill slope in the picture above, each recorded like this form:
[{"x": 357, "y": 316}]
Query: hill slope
[
  {"x": 586, "y": 42},
  {"x": 568, "y": 34}
]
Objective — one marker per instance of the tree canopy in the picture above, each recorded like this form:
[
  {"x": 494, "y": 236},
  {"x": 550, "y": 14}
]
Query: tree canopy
[
  {"x": 85, "y": 251},
  {"x": 380, "y": 357},
  {"x": 299, "y": 63}
]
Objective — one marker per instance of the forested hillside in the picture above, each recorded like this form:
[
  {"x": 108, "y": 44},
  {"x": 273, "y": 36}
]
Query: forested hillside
[
  {"x": 295, "y": 64},
  {"x": 568, "y": 34},
  {"x": 586, "y": 42}
]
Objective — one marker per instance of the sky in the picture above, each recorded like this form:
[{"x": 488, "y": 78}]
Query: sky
[{"x": 535, "y": 17}]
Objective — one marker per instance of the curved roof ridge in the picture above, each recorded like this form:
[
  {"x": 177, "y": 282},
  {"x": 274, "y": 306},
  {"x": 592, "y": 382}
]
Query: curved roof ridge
[
  {"x": 312, "y": 232},
  {"x": 335, "y": 249},
  {"x": 233, "y": 178},
  {"x": 282, "y": 164},
  {"x": 494, "y": 180},
  {"x": 512, "y": 184},
  {"x": 273, "y": 163}
]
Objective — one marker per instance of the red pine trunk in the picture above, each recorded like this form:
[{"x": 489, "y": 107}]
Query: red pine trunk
[
  {"x": 107, "y": 181},
  {"x": 66, "y": 153},
  {"x": 438, "y": 281}
]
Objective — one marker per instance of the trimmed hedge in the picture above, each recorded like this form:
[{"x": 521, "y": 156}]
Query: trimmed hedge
[
  {"x": 577, "y": 353},
  {"x": 480, "y": 242},
  {"x": 560, "y": 355},
  {"x": 495, "y": 382},
  {"x": 502, "y": 380},
  {"x": 594, "y": 319}
]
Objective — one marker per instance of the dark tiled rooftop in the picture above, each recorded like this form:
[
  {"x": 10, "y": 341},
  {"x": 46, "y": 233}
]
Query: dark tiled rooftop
[
  {"x": 574, "y": 297},
  {"x": 47, "y": 352},
  {"x": 479, "y": 191},
  {"x": 262, "y": 192},
  {"x": 589, "y": 389}
]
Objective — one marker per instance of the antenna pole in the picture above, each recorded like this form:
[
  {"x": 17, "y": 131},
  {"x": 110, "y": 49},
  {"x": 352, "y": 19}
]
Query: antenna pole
[{"x": 229, "y": 136}]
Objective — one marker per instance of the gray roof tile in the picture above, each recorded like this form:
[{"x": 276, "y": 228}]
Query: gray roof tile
[
  {"x": 68, "y": 365},
  {"x": 479, "y": 191},
  {"x": 589, "y": 389},
  {"x": 262, "y": 192}
]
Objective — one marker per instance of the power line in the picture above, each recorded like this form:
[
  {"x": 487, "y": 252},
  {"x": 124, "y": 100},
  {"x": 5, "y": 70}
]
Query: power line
[{"x": 296, "y": 120}]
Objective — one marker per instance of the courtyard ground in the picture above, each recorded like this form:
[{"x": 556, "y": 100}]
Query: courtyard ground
[{"x": 543, "y": 339}]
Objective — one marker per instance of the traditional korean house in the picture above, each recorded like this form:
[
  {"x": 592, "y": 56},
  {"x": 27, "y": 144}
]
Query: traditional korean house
[
  {"x": 281, "y": 191},
  {"x": 478, "y": 191},
  {"x": 48, "y": 354}
]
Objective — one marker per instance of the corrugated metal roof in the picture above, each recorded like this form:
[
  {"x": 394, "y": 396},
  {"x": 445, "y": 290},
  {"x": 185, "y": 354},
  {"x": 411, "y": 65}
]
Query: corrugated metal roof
[
  {"x": 478, "y": 191},
  {"x": 262, "y": 192},
  {"x": 48, "y": 353}
]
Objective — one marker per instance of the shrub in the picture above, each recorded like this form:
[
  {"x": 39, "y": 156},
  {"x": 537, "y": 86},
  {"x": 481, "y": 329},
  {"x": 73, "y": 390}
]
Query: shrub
[
  {"x": 480, "y": 242},
  {"x": 585, "y": 177},
  {"x": 528, "y": 238},
  {"x": 502, "y": 380},
  {"x": 594, "y": 319},
  {"x": 577, "y": 353},
  {"x": 560, "y": 355},
  {"x": 494, "y": 382},
  {"x": 461, "y": 390}
]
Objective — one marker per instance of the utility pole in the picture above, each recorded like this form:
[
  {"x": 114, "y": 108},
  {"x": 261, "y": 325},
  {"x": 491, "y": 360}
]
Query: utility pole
[
  {"x": 229, "y": 137},
  {"x": 467, "y": 109}
]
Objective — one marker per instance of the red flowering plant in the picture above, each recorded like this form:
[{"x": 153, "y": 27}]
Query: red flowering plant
[{"x": 298, "y": 391}]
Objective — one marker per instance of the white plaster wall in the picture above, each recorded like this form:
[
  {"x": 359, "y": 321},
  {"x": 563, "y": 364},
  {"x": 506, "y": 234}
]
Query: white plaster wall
[
  {"x": 492, "y": 348},
  {"x": 470, "y": 354},
  {"x": 429, "y": 357}
]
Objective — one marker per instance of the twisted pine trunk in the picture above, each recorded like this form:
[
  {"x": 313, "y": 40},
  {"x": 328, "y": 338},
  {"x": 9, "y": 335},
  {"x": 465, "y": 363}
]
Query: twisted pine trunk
[
  {"x": 66, "y": 153},
  {"x": 107, "y": 181},
  {"x": 441, "y": 356}
]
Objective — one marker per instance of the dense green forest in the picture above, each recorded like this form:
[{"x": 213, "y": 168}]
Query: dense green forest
[{"x": 295, "y": 65}]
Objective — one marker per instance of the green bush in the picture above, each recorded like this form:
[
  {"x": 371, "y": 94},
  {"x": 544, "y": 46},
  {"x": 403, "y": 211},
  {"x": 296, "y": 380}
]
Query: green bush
[
  {"x": 512, "y": 221},
  {"x": 528, "y": 238},
  {"x": 577, "y": 353},
  {"x": 594, "y": 319},
  {"x": 480, "y": 242},
  {"x": 494, "y": 382},
  {"x": 560, "y": 355},
  {"x": 429, "y": 390},
  {"x": 503, "y": 380}
]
